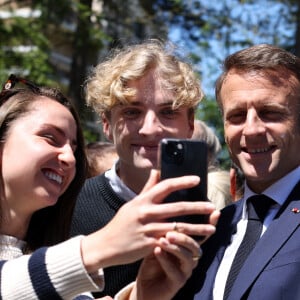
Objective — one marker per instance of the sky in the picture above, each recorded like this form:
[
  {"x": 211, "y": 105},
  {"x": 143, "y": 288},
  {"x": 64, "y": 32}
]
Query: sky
[{"x": 261, "y": 22}]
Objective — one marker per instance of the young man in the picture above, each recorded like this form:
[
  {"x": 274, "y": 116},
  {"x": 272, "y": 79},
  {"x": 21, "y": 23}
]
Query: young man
[
  {"x": 142, "y": 93},
  {"x": 259, "y": 96}
]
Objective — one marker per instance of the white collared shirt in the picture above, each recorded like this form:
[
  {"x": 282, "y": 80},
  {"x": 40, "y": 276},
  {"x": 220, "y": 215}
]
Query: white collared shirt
[
  {"x": 278, "y": 192},
  {"x": 118, "y": 186}
]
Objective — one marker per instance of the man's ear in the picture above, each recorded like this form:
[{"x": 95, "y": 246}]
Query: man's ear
[
  {"x": 191, "y": 125},
  {"x": 107, "y": 128}
]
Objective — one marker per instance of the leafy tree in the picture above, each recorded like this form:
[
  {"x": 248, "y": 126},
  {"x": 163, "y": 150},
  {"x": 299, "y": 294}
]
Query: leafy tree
[
  {"x": 24, "y": 49},
  {"x": 205, "y": 30},
  {"x": 209, "y": 30}
]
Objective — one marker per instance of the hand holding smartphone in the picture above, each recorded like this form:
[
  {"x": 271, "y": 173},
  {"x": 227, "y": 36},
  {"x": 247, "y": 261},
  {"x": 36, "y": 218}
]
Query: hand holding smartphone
[{"x": 179, "y": 157}]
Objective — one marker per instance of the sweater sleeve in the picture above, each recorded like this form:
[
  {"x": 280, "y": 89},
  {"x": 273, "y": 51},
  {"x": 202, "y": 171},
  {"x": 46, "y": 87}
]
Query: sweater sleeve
[{"x": 55, "y": 272}]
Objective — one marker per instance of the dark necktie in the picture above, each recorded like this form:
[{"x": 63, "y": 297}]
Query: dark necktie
[{"x": 258, "y": 207}]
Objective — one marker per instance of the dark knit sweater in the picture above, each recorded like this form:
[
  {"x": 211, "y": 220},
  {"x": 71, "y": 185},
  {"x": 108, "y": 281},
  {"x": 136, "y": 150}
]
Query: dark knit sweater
[{"x": 96, "y": 205}]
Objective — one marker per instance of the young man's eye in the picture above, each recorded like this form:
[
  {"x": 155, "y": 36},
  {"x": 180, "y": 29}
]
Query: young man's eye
[
  {"x": 169, "y": 112},
  {"x": 131, "y": 113}
]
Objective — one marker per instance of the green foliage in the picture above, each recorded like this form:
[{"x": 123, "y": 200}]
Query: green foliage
[
  {"x": 209, "y": 30},
  {"x": 209, "y": 112},
  {"x": 24, "y": 50},
  {"x": 90, "y": 136}
]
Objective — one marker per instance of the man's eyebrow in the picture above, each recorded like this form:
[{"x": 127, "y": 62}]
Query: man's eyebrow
[
  {"x": 141, "y": 103},
  {"x": 167, "y": 103}
]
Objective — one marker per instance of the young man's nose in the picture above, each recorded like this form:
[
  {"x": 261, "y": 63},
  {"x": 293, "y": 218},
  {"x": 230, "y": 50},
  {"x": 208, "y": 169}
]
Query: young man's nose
[{"x": 150, "y": 124}]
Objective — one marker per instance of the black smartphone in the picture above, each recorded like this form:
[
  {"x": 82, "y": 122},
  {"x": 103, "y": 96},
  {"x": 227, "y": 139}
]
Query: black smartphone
[{"x": 179, "y": 157}]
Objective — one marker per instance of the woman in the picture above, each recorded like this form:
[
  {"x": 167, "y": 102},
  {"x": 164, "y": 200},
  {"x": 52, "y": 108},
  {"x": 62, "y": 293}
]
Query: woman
[{"x": 42, "y": 169}]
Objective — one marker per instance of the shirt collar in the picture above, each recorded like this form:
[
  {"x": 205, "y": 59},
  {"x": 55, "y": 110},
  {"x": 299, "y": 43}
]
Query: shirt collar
[
  {"x": 278, "y": 191},
  {"x": 118, "y": 186}
]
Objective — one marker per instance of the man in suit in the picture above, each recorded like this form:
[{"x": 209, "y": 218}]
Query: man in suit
[{"x": 259, "y": 97}]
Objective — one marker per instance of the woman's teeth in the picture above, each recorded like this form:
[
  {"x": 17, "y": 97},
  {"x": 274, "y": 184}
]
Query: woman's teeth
[{"x": 54, "y": 177}]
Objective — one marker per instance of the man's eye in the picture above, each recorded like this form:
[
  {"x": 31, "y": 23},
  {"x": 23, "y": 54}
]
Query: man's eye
[
  {"x": 169, "y": 112},
  {"x": 272, "y": 115},
  {"x": 236, "y": 118},
  {"x": 130, "y": 113}
]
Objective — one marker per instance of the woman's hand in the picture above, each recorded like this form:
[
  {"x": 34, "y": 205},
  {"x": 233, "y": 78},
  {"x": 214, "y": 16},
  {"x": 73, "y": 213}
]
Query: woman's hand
[
  {"x": 165, "y": 271},
  {"x": 136, "y": 229}
]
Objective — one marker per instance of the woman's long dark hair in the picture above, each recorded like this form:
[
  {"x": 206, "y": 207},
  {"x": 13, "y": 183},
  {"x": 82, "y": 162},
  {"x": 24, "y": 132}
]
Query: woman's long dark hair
[{"x": 49, "y": 225}]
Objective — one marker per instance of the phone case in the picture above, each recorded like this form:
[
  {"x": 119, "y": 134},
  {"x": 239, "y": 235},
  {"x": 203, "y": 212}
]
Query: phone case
[{"x": 179, "y": 157}]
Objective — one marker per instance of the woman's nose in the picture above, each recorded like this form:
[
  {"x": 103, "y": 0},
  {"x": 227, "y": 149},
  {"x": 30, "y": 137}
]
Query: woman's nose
[{"x": 67, "y": 156}]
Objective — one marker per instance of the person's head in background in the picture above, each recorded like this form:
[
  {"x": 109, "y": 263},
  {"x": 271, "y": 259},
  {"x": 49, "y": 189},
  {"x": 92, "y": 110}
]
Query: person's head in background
[
  {"x": 258, "y": 94},
  {"x": 101, "y": 156},
  {"x": 43, "y": 163},
  {"x": 237, "y": 179},
  {"x": 218, "y": 180},
  {"x": 218, "y": 187},
  {"x": 143, "y": 93},
  {"x": 203, "y": 132}
]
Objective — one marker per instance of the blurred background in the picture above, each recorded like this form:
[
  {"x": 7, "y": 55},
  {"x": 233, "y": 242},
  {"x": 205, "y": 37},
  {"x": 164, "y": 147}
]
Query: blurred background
[{"x": 56, "y": 42}]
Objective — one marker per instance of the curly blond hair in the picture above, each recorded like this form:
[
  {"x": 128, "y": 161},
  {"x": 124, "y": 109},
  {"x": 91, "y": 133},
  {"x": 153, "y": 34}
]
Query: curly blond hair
[{"x": 107, "y": 85}]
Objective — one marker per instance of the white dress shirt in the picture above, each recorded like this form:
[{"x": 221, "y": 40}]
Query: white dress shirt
[
  {"x": 118, "y": 186},
  {"x": 278, "y": 192}
]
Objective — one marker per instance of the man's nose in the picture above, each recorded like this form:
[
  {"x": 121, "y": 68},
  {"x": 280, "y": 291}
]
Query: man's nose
[
  {"x": 151, "y": 124},
  {"x": 254, "y": 125}
]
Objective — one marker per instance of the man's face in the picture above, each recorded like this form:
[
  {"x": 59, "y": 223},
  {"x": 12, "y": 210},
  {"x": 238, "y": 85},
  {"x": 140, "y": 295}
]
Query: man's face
[
  {"x": 261, "y": 123},
  {"x": 137, "y": 128}
]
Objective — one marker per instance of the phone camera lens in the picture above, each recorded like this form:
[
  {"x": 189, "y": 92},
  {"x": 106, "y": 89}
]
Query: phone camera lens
[{"x": 175, "y": 152}]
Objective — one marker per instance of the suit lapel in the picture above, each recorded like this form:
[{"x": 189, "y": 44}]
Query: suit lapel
[
  {"x": 215, "y": 247},
  {"x": 268, "y": 245}
]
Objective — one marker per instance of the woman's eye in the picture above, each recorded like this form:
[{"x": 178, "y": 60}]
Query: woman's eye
[{"x": 51, "y": 138}]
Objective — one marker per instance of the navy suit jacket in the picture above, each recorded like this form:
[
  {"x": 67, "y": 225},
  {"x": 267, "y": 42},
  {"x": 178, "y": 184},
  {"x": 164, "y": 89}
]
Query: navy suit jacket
[{"x": 271, "y": 271}]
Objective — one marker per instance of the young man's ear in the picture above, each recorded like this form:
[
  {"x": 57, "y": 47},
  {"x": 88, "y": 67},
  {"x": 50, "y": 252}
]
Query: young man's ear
[
  {"x": 191, "y": 124},
  {"x": 106, "y": 128}
]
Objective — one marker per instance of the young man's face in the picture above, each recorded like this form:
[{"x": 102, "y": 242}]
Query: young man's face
[
  {"x": 261, "y": 122},
  {"x": 136, "y": 129}
]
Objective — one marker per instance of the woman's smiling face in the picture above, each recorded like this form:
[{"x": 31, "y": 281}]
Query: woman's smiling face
[{"x": 37, "y": 157}]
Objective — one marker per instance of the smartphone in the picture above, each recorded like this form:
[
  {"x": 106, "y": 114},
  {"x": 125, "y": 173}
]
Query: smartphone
[{"x": 179, "y": 157}]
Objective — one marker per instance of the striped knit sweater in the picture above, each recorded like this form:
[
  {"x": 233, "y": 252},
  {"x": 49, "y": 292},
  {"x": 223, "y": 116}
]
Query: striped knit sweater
[
  {"x": 52, "y": 273},
  {"x": 96, "y": 205}
]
